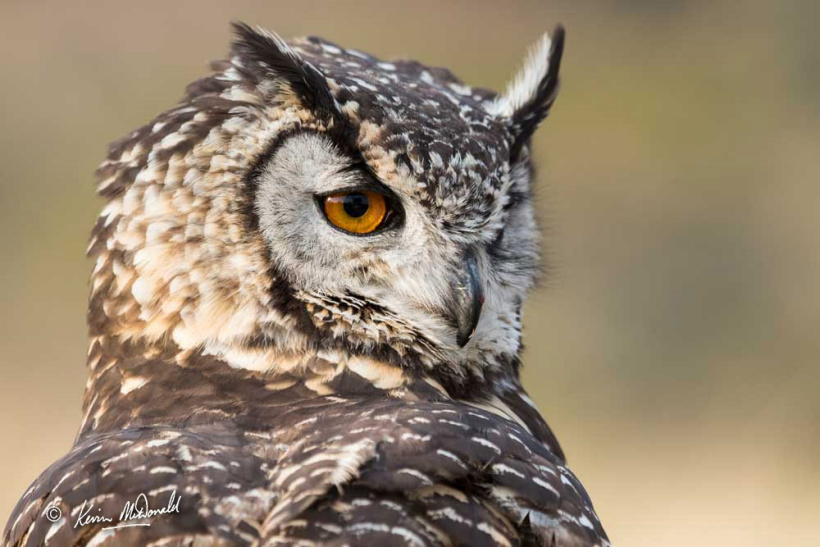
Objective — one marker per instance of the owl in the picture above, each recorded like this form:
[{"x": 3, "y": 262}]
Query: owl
[{"x": 305, "y": 316}]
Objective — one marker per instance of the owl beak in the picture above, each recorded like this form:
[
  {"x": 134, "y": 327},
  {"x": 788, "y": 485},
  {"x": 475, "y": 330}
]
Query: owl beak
[{"x": 469, "y": 299}]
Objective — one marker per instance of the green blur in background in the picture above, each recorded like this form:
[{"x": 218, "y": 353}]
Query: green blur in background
[{"x": 673, "y": 345}]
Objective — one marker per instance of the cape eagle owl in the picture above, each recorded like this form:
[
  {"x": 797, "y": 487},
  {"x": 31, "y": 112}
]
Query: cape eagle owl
[{"x": 305, "y": 316}]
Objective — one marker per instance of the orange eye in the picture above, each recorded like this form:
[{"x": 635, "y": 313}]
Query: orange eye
[{"x": 358, "y": 212}]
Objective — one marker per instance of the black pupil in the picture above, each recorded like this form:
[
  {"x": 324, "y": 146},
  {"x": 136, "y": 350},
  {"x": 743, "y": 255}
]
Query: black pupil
[{"x": 356, "y": 205}]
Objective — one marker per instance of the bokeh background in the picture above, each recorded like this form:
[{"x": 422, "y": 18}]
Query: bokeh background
[{"x": 674, "y": 346}]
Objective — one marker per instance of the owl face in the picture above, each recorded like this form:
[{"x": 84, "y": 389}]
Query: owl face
[
  {"x": 306, "y": 198},
  {"x": 335, "y": 227}
]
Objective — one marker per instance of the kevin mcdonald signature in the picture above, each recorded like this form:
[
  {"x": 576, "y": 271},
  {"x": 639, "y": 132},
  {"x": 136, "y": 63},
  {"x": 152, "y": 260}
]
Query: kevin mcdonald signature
[{"x": 136, "y": 510}]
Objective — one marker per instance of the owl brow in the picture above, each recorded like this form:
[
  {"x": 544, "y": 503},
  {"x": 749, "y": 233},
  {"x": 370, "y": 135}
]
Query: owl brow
[
  {"x": 356, "y": 164},
  {"x": 368, "y": 180},
  {"x": 343, "y": 135}
]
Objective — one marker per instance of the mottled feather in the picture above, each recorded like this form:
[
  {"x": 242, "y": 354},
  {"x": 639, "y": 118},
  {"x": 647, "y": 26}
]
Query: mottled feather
[{"x": 287, "y": 384}]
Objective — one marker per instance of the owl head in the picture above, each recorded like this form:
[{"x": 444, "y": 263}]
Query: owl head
[{"x": 306, "y": 200}]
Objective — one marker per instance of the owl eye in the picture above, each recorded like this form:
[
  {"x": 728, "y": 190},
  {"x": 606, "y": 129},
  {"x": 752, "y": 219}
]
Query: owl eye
[{"x": 357, "y": 212}]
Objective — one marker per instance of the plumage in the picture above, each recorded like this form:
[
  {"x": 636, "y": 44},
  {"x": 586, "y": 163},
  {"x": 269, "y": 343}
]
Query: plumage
[{"x": 284, "y": 382}]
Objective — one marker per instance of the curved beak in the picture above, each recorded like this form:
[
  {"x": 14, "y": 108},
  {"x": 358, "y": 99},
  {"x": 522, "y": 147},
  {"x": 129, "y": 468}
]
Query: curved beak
[{"x": 469, "y": 298}]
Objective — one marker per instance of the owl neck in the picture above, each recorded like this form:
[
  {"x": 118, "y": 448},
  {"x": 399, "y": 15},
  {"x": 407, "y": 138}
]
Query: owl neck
[{"x": 136, "y": 384}]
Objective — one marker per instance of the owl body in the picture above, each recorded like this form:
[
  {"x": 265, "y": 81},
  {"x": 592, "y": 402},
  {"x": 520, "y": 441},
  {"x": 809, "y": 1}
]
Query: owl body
[{"x": 305, "y": 317}]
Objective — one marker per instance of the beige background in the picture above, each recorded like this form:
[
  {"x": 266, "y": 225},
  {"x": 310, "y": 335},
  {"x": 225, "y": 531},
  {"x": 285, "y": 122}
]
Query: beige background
[{"x": 674, "y": 347}]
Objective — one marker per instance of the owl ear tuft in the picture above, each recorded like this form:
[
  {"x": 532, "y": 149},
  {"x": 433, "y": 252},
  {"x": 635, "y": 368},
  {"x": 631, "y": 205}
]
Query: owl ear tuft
[
  {"x": 531, "y": 94},
  {"x": 267, "y": 54}
]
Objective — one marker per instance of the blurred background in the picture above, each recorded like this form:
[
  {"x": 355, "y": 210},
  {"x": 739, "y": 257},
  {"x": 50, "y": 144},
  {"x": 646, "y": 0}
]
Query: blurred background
[{"x": 673, "y": 347}]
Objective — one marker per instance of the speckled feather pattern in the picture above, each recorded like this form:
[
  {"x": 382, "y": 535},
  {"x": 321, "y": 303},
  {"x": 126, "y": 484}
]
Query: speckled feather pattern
[{"x": 287, "y": 403}]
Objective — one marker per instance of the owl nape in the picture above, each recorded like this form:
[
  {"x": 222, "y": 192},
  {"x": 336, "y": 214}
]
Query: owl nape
[{"x": 305, "y": 316}]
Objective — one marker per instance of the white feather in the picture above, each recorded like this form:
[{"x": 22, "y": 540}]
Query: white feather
[{"x": 524, "y": 85}]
